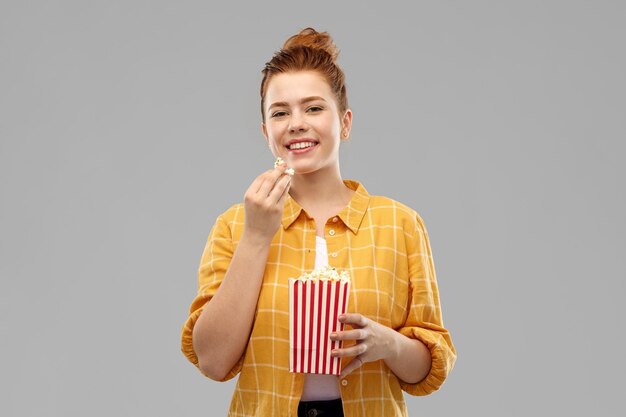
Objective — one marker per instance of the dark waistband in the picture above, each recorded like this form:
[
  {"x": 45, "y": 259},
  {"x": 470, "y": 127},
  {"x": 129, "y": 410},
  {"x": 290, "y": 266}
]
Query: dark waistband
[{"x": 321, "y": 408}]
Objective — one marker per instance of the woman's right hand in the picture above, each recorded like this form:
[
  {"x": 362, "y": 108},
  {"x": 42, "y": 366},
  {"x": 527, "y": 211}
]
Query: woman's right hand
[{"x": 263, "y": 202}]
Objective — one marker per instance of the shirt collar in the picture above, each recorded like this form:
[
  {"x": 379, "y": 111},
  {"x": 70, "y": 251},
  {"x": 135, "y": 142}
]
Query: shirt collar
[{"x": 352, "y": 215}]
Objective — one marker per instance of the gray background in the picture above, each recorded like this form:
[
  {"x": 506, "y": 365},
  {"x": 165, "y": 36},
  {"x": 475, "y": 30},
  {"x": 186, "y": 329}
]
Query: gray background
[{"x": 128, "y": 126}]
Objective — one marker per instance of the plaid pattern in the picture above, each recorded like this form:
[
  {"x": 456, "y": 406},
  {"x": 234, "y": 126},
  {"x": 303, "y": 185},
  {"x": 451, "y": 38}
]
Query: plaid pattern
[{"x": 384, "y": 246}]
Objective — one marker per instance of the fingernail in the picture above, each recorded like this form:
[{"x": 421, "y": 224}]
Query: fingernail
[{"x": 333, "y": 335}]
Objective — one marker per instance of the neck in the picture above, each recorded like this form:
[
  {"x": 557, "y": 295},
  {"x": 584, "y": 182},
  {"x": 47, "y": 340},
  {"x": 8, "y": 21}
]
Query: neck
[{"x": 320, "y": 189}]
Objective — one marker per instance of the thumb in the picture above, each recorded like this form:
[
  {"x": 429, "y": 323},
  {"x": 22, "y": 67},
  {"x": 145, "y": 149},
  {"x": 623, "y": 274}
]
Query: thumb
[{"x": 283, "y": 197}]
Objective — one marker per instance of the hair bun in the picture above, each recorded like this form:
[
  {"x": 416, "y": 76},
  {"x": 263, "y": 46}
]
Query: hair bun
[{"x": 311, "y": 38}]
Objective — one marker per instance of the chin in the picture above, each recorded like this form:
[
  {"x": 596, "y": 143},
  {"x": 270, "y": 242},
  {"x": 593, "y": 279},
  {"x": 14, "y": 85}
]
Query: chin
[{"x": 308, "y": 169}]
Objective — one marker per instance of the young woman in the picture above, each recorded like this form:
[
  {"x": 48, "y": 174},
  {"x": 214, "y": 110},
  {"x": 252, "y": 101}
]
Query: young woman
[{"x": 394, "y": 338}]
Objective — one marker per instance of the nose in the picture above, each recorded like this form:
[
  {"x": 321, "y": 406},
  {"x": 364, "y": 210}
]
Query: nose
[{"x": 297, "y": 123}]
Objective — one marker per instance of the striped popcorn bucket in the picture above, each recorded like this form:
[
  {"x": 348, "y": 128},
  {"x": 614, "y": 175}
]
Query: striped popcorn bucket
[{"x": 314, "y": 307}]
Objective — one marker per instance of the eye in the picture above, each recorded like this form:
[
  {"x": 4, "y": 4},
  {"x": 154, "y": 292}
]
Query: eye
[
  {"x": 279, "y": 113},
  {"x": 315, "y": 109}
]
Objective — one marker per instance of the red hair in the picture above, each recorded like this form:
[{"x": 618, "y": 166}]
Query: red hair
[{"x": 308, "y": 50}]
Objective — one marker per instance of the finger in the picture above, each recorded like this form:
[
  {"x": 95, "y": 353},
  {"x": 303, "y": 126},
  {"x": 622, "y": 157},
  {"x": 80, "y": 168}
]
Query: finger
[
  {"x": 256, "y": 184},
  {"x": 270, "y": 180},
  {"x": 356, "y": 334},
  {"x": 354, "y": 364},
  {"x": 358, "y": 349},
  {"x": 279, "y": 189},
  {"x": 258, "y": 181},
  {"x": 281, "y": 201},
  {"x": 354, "y": 319}
]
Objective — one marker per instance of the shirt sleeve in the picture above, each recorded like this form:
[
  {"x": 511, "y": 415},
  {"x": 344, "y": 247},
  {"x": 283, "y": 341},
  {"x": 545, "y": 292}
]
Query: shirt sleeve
[
  {"x": 424, "y": 321},
  {"x": 214, "y": 263}
]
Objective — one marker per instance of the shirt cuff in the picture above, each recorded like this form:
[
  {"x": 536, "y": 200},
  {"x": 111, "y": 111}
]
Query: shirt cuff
[{"x": 442, "y": 361}]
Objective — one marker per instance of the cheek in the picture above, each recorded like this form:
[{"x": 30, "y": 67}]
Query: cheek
[
  {"x": 274, "y": 133},
  {"x": 334, "y": 127}
]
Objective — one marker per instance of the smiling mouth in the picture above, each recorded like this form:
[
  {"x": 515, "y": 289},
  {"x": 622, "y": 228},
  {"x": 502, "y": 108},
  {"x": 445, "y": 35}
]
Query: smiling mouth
[{"x": 301, "y": 145}]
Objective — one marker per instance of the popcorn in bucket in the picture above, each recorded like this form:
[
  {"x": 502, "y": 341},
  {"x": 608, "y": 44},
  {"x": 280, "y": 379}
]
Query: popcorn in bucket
[{"x": 315, "y": 302}]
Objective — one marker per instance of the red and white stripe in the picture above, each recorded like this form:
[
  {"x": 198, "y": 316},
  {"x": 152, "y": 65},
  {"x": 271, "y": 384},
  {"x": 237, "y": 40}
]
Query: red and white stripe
[{"x": 313, "y": 310}]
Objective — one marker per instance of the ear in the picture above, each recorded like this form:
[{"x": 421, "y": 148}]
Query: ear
[{"x": 346, "y": 123}]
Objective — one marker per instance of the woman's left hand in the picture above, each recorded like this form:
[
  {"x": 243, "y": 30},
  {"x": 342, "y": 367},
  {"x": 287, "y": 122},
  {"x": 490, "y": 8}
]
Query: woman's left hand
[{"x": 374, "y": 341}]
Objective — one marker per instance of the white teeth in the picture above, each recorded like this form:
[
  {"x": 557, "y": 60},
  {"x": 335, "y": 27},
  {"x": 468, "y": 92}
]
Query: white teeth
[{"x": 301, "y": 145}]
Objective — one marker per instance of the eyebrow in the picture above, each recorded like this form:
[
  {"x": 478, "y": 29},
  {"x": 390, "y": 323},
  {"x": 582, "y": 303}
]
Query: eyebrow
[{"x": 303, "y": 101}]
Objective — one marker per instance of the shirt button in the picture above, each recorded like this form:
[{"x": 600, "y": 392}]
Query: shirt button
[
  {"x": 334, "y": 254},
  {"x": 312, "y": 413},
  {"x": 331, "y": 232},
  {"x": 344, "y": 382},
  {"x": 335, "y": 219}
]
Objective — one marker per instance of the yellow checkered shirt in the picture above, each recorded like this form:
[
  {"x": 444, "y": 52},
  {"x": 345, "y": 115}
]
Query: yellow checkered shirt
[{"x": 385, "y": 248}]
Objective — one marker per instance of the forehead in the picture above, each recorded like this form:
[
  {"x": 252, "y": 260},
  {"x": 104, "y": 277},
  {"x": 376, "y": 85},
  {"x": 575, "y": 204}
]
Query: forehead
[{"x": 290, "y": 87}]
